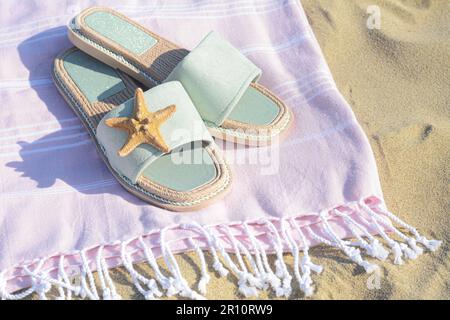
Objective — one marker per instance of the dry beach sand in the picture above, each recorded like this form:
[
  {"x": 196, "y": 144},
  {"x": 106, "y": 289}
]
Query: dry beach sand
[{"x": 397, "y": 82}]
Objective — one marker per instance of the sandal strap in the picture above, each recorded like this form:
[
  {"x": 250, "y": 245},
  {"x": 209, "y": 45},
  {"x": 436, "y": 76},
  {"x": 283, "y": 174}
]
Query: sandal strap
[
  {"x": 182, "y": 127},
  {"x": 215, "y": 75}
]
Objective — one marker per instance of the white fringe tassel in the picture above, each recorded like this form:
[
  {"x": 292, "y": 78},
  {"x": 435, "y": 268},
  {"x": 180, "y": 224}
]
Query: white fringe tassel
[
  {"x": 246, "y": 281},
  {"x": 152, "y": 292},
  {"x": 90, "y": 289},
  {"x": 280, "y": 266},
  {"x": 374, "y": 248},
  {"x": 268, "y": 276},
  {"x": 109, "y": 291},
  {"x": 258, "y": 276},
  {"x": 180, "y": 283},
  {"x": 306, "y": 264},
  {"x": 64, "y": 277},
  {"x": 205, "y": 277},
  {"x": 431, "y": 245},
  {"x": 307, "y": 290},
  {"x": 414, "y": 250},
  {"x": 217, "y": 265},
  {"x": 167, "y": 283},
  {"x": 353, "y": 253}
]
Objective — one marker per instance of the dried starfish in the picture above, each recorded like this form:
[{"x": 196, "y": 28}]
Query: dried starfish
[{"x": 143, "y": 127}]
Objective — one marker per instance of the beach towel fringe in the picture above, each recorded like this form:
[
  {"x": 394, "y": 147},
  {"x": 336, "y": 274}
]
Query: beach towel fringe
[
  {"x": 109, "y": 291},
  {"x": 249, "y": 242}
]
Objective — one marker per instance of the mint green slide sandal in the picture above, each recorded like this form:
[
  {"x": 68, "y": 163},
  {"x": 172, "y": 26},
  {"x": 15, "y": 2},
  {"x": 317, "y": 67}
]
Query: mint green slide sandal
[
  {"x": 221, "y": 82},
  {"x": 154, "y": 142}
]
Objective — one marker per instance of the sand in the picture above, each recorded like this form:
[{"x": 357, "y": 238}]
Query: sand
[{"x": 397, "y": 81}]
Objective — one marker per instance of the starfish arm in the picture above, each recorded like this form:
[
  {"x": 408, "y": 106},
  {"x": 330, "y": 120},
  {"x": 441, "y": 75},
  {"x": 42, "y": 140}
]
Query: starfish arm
[
  {"x": 140, "y": 107},
  {"x": 143, "y": 127},
  {"x": 164, "y": 114},
  {"x": 133, "y": 142},
  {"x": 120, "y": 123},
  {"x": 157, "y": 141}
]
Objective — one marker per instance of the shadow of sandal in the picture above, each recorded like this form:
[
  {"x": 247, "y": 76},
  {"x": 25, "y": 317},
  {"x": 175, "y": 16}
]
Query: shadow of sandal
[{"x": 67, "y": 154}]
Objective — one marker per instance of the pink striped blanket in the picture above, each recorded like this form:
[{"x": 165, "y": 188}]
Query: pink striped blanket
[{"x": 63, "y": 216}]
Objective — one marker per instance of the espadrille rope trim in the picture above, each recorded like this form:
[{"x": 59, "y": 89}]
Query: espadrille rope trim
[{"x": 239, "y": 134}]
